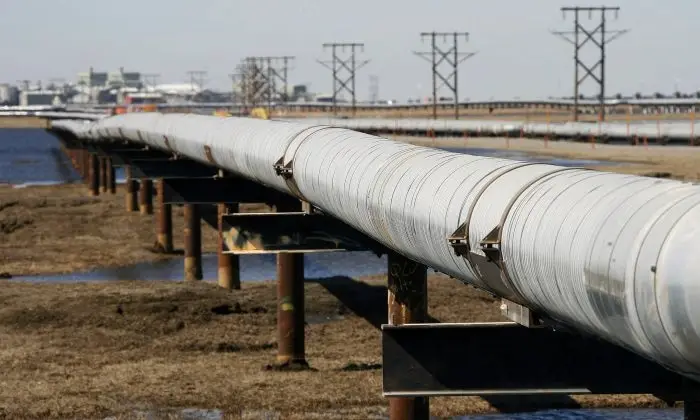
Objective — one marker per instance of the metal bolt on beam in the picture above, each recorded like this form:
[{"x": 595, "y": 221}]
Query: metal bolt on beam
[
  {"x": 408, "y": 304},
  {"x": 193, "y": 243},
  {"x": 146, "y": 197},
  {"x": 229, "y": 264}
]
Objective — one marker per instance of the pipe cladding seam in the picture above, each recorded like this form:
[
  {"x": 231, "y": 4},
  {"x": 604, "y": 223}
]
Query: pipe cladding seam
[{"x": 608, "y": 254}]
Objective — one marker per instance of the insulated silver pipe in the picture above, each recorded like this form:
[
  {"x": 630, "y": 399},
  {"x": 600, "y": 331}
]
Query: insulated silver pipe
[{"x": 609, "y": 254}]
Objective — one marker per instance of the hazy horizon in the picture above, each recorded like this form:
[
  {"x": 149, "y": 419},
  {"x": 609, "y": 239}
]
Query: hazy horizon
[{"x": 517, "y": 55}]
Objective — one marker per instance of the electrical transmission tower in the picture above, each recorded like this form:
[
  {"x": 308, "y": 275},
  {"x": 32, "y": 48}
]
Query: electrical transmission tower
[
  {"x": 150, "y": 80},
  {"x": 452, "y": 57},
  {"x": 197, "y": 78},
  {"x": 263, "y": 80},
  {"x": 597, "y": 70},
  {"x": 349, "y": 64}
]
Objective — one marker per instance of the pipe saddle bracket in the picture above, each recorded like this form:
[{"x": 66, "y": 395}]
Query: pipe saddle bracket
[
  {"x": 459, "y": 241},
  {"x": 283, "y": 170}
]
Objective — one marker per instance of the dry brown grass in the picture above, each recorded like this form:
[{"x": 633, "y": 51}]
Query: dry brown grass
[
  {"x": 60, "y": 229},
  {"x": 22, "y": 122},
  {"x": 92, "y": 350}
]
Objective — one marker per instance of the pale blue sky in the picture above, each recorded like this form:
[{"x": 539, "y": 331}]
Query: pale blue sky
[{"x": 41, "y": 39}]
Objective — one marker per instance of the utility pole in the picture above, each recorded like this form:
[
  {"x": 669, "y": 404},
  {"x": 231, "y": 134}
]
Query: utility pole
[
  {"x": 579, "y": 42},
  {"x": 338, "y": 64},
  {"x": 452, "y": 57}
]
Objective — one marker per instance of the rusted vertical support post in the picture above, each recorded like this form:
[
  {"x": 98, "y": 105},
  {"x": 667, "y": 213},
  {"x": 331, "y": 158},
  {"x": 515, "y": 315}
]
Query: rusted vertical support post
[
  {"x": 146, "y": 196},
  {"x": 408, "y": 304},
  {"x": 131, "y": 190},
  {"x": 290, "y": 305},
  {"x": 111, "y": 177},
  {"x": 193, "y": 243},
  {"x": 164, "y": 235},
  {"x": 84, "y": 164},
  {"x": 103, "y": 174},
  {"x": 229, "y": 264},
  {"x": 93, "y": 175}
]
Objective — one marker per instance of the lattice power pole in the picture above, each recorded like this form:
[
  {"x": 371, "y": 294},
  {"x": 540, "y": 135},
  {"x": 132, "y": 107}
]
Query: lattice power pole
[
  {"x": 278, "y": 71},
  {"x": 260, "y": 78},
  {"x": 452, "y": 56},
  {"x": 150, "y": 80},
  {"x": 197, "y": 78},
  {"x": 338, "y": 64},
  {"x": 579, "y": 42}
]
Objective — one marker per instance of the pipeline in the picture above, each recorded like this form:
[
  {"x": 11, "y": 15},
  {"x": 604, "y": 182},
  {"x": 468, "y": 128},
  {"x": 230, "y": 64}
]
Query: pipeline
[
  {"x": 679, "y": 131},
  {"x": 608, "y": 254}
]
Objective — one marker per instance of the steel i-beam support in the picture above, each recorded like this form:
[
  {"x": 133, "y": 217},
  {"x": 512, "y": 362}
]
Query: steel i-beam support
[
  {"x": 93, "y": 174},
  {"x": 229, "y": 275},
  {"x": 290, "y": 304},
  {"x": 131, "y": 191},
  {"x": 193, "y": 243},
  {"x": 408, "y": 304},
  {"x": 164, "y": 236},
  {"x": 146, "y": 196}
]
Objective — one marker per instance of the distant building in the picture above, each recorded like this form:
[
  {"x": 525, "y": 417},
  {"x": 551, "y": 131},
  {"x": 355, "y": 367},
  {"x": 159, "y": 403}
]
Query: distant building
[
  {"x": 105, "y": 87},
  {"x": 9, "y": 94},
  {"x": 92, "y": 79},
  {"x": 40, "y": 97},
  {"x": 122, "y": 78}
]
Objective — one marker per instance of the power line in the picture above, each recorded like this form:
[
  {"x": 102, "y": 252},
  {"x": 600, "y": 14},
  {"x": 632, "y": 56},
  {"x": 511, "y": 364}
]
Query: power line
[
  {"x": 349, "y": 64},
  {"x": 452, "y": 57},
  {"x": 579, "y": 42}
]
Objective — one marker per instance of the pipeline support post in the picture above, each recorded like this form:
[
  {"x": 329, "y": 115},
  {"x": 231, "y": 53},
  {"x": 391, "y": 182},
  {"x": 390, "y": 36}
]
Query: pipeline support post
[
  {"x": 103, "y": 174},
  {"x": 290, "y": 305},
  {"x": 691, "y": 410},
  {"x": 131, "y": 190},
  {"x": 111, "y": 177},
  {"x": 193, "y": 243},
  {"x": 164, "y": 236},
  {"x": 408, "y": 304},
  {"x": 229, "y": 275},
  {"x": 93, "y": 174},
  {"x": 85, "y": 164},
  {"x": 146, "y": 197}
]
